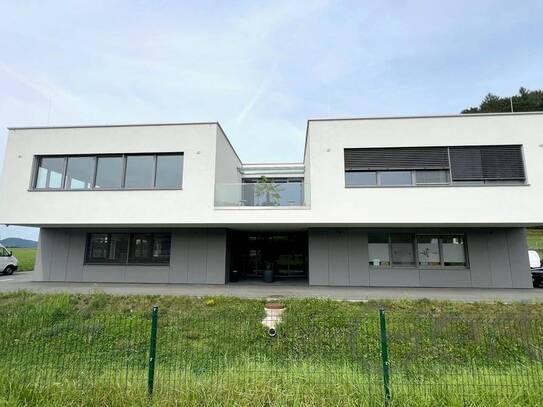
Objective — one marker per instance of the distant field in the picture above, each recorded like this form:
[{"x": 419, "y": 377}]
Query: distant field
[
  {"x": 26, "y": 257},
  {"x": 535, "y": 240}
]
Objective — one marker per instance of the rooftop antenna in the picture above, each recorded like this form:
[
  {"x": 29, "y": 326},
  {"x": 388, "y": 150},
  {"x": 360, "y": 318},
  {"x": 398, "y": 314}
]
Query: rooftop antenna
[{"x": 49, "y": 112}]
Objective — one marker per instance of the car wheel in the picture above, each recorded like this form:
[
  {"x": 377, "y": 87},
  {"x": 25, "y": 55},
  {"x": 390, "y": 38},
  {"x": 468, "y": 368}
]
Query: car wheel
[{"x": 8, "y": 271}]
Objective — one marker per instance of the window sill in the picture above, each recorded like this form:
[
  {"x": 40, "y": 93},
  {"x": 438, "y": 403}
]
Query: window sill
[
  {"x": 126, "y": 264},
  {"x": 228, "y": 208},
  {"x": 436, "y": 186},
  {"x": 103, "y": 189},
  {"x": 396, "y": 268}
]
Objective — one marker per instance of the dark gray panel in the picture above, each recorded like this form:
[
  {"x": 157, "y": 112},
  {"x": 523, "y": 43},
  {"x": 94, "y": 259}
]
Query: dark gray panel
[
  {"x": 76, "y": 256},
  {"x": 179, "y": 260},
  {"x": 216, "y": 256},
  {"x": 61, "y": 246},
  {"x": 338, "y": 255},
  {"x": 359, "y": 273},
  {"x": 318, "y": 257},
  {"x": 445, "y": 278},
  {"x": 477, "y": 243},
  {"x": 518, "y": 258},
  {"x": 394, "y": 277},
  {"x": 396, "y": 158},
  {"x": 472, "y": 163},
  {"x": 197, "y": 256},
  {"x": 44, "y": 255},
  {"x": 499, "y": 259},
  {"x": 147, "y": 274},
  {"x": 103, "y": 274}
]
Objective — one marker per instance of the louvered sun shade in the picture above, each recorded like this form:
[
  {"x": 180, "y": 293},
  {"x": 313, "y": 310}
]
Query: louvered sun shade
[
  {"x": 402, "y": 158},
  {"x": 487, "y": 163}
]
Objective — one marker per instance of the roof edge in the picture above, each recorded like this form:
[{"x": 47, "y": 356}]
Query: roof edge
[
  {"x": 113, "y": 125},
  {"x": 431, "y": 116}
]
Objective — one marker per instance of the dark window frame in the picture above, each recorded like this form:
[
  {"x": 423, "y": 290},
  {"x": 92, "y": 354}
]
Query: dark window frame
[
  {"x": 505, "y": 181},
  {"x": 129, "y": 258},
  {"x": 96, "y": 157},
  {"x": 417, "y": 266}
]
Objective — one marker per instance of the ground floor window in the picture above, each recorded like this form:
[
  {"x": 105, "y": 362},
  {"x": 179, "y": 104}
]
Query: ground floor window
[
  {"x": 416, "y": 250},
  {"x": 128, "y": 248}
]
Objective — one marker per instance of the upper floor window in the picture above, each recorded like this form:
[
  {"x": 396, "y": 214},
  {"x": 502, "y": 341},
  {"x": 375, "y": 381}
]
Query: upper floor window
[
  {"x": 123, "y": 171},
  {"x": 434, "y": 166}
]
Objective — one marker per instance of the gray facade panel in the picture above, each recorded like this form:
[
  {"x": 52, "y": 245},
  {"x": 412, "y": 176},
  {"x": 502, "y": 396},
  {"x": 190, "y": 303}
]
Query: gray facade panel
[
  {"x": 497, "y": 258},
  {"x": 445, "y": 278},
  {"x": 104, "y": 274},
  {"x": 59, "y": 259},
  {"x": 338, "y": 263},
  {"x": 76, "y": 251},
  {"x": 179, "y": 258},
  {"x": 197, "y": 272},
  {"x": 197, "y": 256},
  {"x": 318, "y": 257},
  {"x": 519, "y": 262},
  {"x": 216, "y": 256},
  {"x": 359, "y": 273},
  {"x": 481, "y": 275},
  {"x": 404, "y": 277}
]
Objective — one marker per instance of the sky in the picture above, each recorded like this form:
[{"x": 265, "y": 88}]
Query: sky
[{"x": 260, "y": 68}]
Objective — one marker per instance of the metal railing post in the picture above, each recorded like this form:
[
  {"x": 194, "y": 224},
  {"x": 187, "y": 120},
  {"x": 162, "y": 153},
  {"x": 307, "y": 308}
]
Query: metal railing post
[
  {"x": 384, "y": 356},
  {"x": 152, "y": 352}
]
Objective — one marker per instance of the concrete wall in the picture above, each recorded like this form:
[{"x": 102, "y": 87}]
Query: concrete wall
[
  {"x": 197, "y": 256},
  {"x": 208, "y": 158},
  {"x": 497, "y": 258},
  {"x": 476, "y": 206}
]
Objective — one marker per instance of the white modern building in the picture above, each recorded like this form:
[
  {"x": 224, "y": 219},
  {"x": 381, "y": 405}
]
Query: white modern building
[{"x": 438, "y": 201}]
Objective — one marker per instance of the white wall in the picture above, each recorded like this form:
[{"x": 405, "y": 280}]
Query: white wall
[
  {"x": 333, "y": 203},
  {"x": 209, "y": 158}
]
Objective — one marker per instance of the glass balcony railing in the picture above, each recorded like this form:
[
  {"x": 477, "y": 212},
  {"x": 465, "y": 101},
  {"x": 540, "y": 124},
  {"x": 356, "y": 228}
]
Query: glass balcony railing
[{"x": 262, "y": 194}]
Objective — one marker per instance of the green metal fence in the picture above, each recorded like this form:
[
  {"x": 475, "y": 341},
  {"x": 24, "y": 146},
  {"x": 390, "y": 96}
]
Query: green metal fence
[{"x": 372, "y": 359}]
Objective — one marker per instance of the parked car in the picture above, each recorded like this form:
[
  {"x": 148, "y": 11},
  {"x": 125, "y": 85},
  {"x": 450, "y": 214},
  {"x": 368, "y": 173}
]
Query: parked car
[
  {"x": 8, "y": 262},
  {"x": 537, "y": 270}
]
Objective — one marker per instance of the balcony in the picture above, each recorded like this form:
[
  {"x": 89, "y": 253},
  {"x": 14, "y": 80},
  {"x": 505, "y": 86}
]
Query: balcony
[{"x": 262, "y": 194}]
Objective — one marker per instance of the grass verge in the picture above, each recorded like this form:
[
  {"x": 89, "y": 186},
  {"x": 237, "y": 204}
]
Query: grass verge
[{"x": 93, "y": 350}]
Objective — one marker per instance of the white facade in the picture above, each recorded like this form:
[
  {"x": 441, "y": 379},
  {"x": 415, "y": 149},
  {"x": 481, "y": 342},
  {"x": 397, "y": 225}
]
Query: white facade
[{"x": 209, "y": 159}]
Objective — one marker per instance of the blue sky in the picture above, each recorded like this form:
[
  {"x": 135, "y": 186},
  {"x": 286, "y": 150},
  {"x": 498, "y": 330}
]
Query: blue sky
[{"x": 260, "y": 68}]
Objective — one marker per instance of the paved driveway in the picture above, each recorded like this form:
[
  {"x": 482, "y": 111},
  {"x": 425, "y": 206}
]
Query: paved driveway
[{"x": 23, "y": 281}]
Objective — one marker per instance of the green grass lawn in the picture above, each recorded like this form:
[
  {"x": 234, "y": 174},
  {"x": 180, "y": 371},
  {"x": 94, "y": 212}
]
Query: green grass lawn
[
  {"x": 93, "y": 350},
  {"x": 26, "y": 257},
  {"x": 535, "y": 240}
]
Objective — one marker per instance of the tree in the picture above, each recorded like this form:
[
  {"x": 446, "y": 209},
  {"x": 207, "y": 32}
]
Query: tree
[
  {"x": 264, "y": 187},
  {"x": 524, "y": 101}
]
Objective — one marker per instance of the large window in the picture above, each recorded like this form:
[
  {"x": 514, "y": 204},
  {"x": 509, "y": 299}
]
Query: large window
[
  {"x": 109, "y": 172},
  {"x": 169, "y": 169},
  {"x": 128, "y": 248},
  {"x": 79, "y": 172},
  {"x": 416, "y": 250},
  {"x": 424, "y": 166},
  {"x": 127, "y": 171},
  {"x": 50, "y": 172}
]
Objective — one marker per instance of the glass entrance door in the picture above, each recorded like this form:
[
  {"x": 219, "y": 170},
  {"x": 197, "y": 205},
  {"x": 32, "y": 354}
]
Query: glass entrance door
[{"x": 254, "y": 252}]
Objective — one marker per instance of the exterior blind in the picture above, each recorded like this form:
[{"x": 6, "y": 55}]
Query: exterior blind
[
  {"x": 492, "y": 163},
  {"x": 403, "y": 158}
]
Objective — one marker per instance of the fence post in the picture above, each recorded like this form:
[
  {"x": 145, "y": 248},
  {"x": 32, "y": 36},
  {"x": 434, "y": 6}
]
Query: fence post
[
  {"x": 384, "y": 356},
  {"x": 152, "y": 351}
]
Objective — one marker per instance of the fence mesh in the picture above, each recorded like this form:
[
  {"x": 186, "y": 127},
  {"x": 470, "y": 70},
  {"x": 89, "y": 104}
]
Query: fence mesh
[{"x": 227, "y": 355}]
